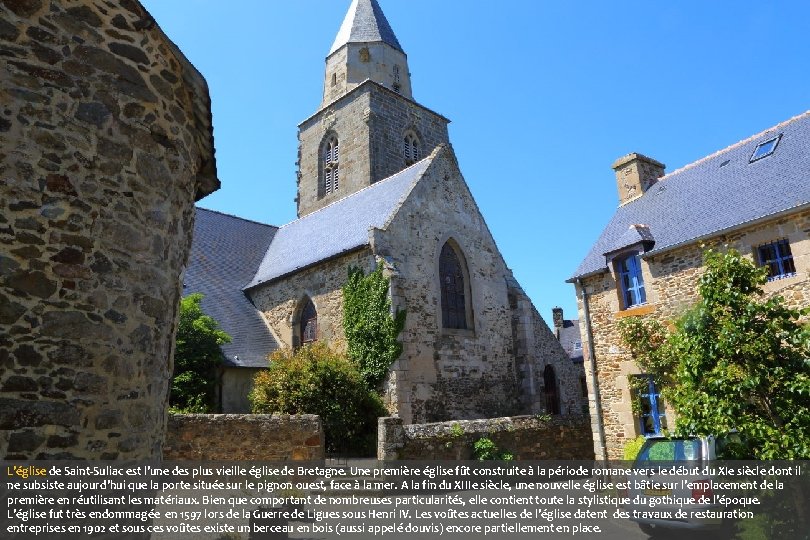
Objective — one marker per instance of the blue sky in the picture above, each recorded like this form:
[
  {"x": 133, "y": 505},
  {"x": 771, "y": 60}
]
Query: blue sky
[{"x": 543, "y": 97}]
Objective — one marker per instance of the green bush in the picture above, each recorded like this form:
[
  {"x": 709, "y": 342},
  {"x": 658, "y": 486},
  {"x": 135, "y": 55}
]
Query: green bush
[
  {"x": 633, "y": 447},
  {"x": 317, "y": 380},
  {"x": 484, "y": 449},
  {"x": 196, "y": 357}
]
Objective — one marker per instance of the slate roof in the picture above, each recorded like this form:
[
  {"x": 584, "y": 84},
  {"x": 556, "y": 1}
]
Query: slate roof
[
  {"x": 337, "y": 228},
  {"x": 715, "y": 194},
  {"x": 365, "y": 22},
  {"x": 225, "y": 253}
]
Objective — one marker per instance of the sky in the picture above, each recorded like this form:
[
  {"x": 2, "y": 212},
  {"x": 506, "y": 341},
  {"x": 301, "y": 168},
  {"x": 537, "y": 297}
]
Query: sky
[{"x": 543, "y": 96}]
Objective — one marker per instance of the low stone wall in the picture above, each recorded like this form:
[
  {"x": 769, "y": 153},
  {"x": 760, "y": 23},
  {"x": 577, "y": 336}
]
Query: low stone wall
[
  {"x": 232, "y": 437},
  {"x": 525, "y": 437}
]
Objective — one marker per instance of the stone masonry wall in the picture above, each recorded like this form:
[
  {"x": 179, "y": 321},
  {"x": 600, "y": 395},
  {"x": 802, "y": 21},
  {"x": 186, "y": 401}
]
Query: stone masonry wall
[
  {"x": 370, "y": 123},
  {"x": 535, "y": 346},
  {"x": 355, "y": 63},
  {"x": 346, "y": 118},
  {"x": 105, "y": 142},
  {"x": 281, "y": 301},
  {"x": 237, "y": 437},
  {"x": 391, "y": 116},
  {"x": 670, "y": 280},
  {"x": 526, "y": 437},
  {"x": 446, "y": 373}
]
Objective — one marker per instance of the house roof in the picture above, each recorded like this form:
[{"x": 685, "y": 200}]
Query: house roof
[
  {"x": 224, "y": 255},
  {"x": 337, "y": 228},
  {"x": 365, "y": 22},
  {"x": 718, "y": 193}
]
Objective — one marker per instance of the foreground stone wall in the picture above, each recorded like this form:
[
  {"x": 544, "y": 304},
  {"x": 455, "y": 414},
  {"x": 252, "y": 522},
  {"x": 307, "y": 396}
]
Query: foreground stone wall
[
  {"x": 232, "y": 437},
  {"x": 670, "y": 280},
  {"x": 105, "y": 143},
  {"x": 526, "y": 437}
]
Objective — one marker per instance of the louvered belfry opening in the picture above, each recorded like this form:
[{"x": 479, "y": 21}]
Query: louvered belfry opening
[
  {"x": 330, "y": 165},
  {"x": 412, "y": 150}
]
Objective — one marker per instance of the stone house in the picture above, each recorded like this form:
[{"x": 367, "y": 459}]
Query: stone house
[
  {"x": 378, "y": 181},
  {"x": 753, "y": 196}
]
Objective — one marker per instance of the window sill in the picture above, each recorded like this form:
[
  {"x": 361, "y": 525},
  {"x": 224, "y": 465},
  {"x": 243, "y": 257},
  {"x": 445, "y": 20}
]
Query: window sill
[
  {"x": 463, "y": 332},
  {"x": 635, "y": 311}
]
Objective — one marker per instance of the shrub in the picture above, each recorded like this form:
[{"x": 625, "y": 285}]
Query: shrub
[
  {"x": 633, "y": 447},
  {"x": 484, "y": 449},
  {"x": 316, "y": 380},
  {"x": 196, "y": 357}
]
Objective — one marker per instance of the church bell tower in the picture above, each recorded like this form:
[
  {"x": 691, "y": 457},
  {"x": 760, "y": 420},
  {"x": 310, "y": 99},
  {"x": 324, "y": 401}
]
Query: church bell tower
[{"x": 367, "y": 127}]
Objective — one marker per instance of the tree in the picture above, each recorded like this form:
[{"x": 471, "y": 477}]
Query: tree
[
  {"x": 316, "y": 380},
  {"x": 371, "y": 331},
  {"x": 196, "y": 357},
  {"x": 736, "y": 361}
]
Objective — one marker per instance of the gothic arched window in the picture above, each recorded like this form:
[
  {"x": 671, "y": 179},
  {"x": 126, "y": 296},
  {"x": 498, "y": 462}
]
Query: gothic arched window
[
  {"x": 413, "y": 151},
  {"x": 552, "y": 396},
  {"x": 308, "y": 323},
  {"x": 454, "y": 288},
  {"x": 330, "y": 165}
]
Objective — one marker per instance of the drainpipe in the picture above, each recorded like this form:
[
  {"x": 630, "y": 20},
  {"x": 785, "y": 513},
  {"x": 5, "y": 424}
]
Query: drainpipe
[{"x": 600, "y": 428}]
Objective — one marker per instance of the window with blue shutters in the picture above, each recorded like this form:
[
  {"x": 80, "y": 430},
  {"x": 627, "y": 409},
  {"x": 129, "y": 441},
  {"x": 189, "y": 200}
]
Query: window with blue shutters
[
  {"x": 631, "y": 281},
  {"x": 650, "y": 410}
]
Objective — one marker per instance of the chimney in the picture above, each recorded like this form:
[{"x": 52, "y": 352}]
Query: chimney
[
  {"x": 557, "y": 316},
  {"x": 635, "y": 174}
]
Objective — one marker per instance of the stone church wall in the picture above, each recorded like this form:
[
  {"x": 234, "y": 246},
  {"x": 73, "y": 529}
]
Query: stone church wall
[
  {"x": 280, "y": 300},
  {"x": 391, "y": 117},
  {"x": 105, "y": 142},
  {"x": 448, "y": 374},
  {"x": 348, "y": 119},
  {"x": 670, "y": 280},
  {"x": 370, "y": 123}
]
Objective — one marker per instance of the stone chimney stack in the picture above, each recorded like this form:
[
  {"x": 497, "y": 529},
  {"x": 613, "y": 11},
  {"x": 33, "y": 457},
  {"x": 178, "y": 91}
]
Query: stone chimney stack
[
  {"x": 635, "y": 174},
  {"x": 557, "y": 316}
]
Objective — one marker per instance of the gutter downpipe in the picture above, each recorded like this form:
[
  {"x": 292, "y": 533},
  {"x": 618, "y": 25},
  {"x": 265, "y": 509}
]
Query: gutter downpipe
[{"x": 600, "y": 428}]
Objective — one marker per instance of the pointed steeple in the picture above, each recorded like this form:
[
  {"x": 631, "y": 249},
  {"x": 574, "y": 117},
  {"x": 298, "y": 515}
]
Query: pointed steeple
[
  {"x": 365, "y": 22},
  {"x": 365, "y": 48}
]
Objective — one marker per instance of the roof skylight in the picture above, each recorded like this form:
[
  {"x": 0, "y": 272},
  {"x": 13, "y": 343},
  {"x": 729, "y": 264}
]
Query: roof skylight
[{"x": 765, "y": 149}]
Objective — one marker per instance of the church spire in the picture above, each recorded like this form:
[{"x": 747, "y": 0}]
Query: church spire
[
  {"x": 365, "y": 22},
  {"x": 365, "y": 48}
]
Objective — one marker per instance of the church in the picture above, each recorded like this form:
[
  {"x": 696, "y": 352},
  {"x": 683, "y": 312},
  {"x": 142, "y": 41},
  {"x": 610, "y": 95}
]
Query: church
[{"x": 378, "y": 182}]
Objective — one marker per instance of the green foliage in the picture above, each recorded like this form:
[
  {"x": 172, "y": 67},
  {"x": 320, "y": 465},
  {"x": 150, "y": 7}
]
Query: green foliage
[
  {"x": 196, "y": 357},
  {"x": 633, "y": 447},
  {"x": 371, "y": 331},
  {"x": 456, "y": 432},
  {"x": 484, "y": 449},
  {"x": 735, "y": 361},
  {"x": 644, "y": 338},
  {"x": 317, "y": 380}
]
